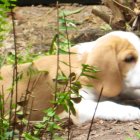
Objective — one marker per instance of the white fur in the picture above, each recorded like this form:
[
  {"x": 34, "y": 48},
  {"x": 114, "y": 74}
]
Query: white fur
[
  {"x": 107, "y": 109},
  {"x": 85, "y": 47}
]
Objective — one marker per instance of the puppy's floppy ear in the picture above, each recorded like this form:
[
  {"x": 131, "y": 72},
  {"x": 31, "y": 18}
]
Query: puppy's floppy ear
[{"x": 109, "y": 77}]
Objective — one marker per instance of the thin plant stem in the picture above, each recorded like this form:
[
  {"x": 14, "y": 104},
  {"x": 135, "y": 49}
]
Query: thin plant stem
[
  {"x": 67, "y": 37},
  {"x": 15, "y": 71},
  {"x": 26, "y": 96},
  {"x": 2, "y": 101},
  {"x": 57, "y": 67},
  {"x": 30, "y": 113},
  {"x": 2, "y": 113},
  {"x": 94, "y": 114}
]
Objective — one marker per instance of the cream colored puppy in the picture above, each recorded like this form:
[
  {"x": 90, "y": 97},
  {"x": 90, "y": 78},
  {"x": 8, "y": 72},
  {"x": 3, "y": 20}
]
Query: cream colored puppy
[{"x": 116, "y": 54}]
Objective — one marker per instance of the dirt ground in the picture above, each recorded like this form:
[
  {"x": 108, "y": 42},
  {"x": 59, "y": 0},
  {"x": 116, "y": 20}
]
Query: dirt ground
[
  {"x": 107, "y": 130},
  {"x": 36, "y": 26}
]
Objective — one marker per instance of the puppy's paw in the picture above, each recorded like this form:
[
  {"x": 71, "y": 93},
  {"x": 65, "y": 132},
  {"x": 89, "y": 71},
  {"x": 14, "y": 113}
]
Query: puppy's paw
[
  {"x": 129, "y": 113},
  {"x": 113, "y": 111},
  {"x": 106, "y": 110}
]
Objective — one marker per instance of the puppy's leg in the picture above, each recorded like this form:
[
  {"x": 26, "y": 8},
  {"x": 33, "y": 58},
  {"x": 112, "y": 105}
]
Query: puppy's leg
[{"x": 106, "y": 110}]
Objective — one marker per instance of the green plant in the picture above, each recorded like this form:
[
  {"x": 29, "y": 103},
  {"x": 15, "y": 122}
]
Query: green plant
[
  {"x": 5, "y": 129},
  {"x": 5, "y": 133},
  {"x": 51, "y": 124},
  {"x": 65, "y": 25},
  {"x": 26, "y": 58},
  {"x": 137, "y": 135},
  {"x": 4, "y": 25}
]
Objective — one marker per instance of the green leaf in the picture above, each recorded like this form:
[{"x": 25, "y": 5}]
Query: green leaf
[
  {"x": 138, "y": 135},
  {"x": 65, "y": 44},
  {"x": 53, "y": 44},
  {"x": 88, "y": 68},
  {"x": 40, "y": 125},
  {"x": 72, "y": 109},
  {"x": 24, "y": 121},
  {"x": 61, "y": 79},
  {"x": 53, "y": 126},
  {"x": 1, "y": 78},
  {"x": 63, "y": 21},
  {"x": 28, "y": 136},
  {"x": 75, "y": 86},
  {"x": 19, "y": 76},
  {"x": 88, "y": 71},
  {"x": 63, "y": 51},
  {"x": 55, "y": 137},
  {"x": 65, "y": 107},
  {"x": 66, "y": 63},
  {"x": 68, "y": 13},
  {"x": 45, "y": 119},
  {"x": 129, "y": 139},
  {"x": 8, "y": 134},
  {"x": 64, "y": 28},
  {"x": 89, "y": 76},
  {"x": 49, "y": 112}
]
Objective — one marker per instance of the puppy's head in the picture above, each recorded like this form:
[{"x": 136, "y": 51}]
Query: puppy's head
[{"x": 119, "y": 64}]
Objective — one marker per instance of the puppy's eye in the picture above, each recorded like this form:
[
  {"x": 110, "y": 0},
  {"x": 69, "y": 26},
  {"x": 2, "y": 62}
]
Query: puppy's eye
[{"x": 130, "y": 59}]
